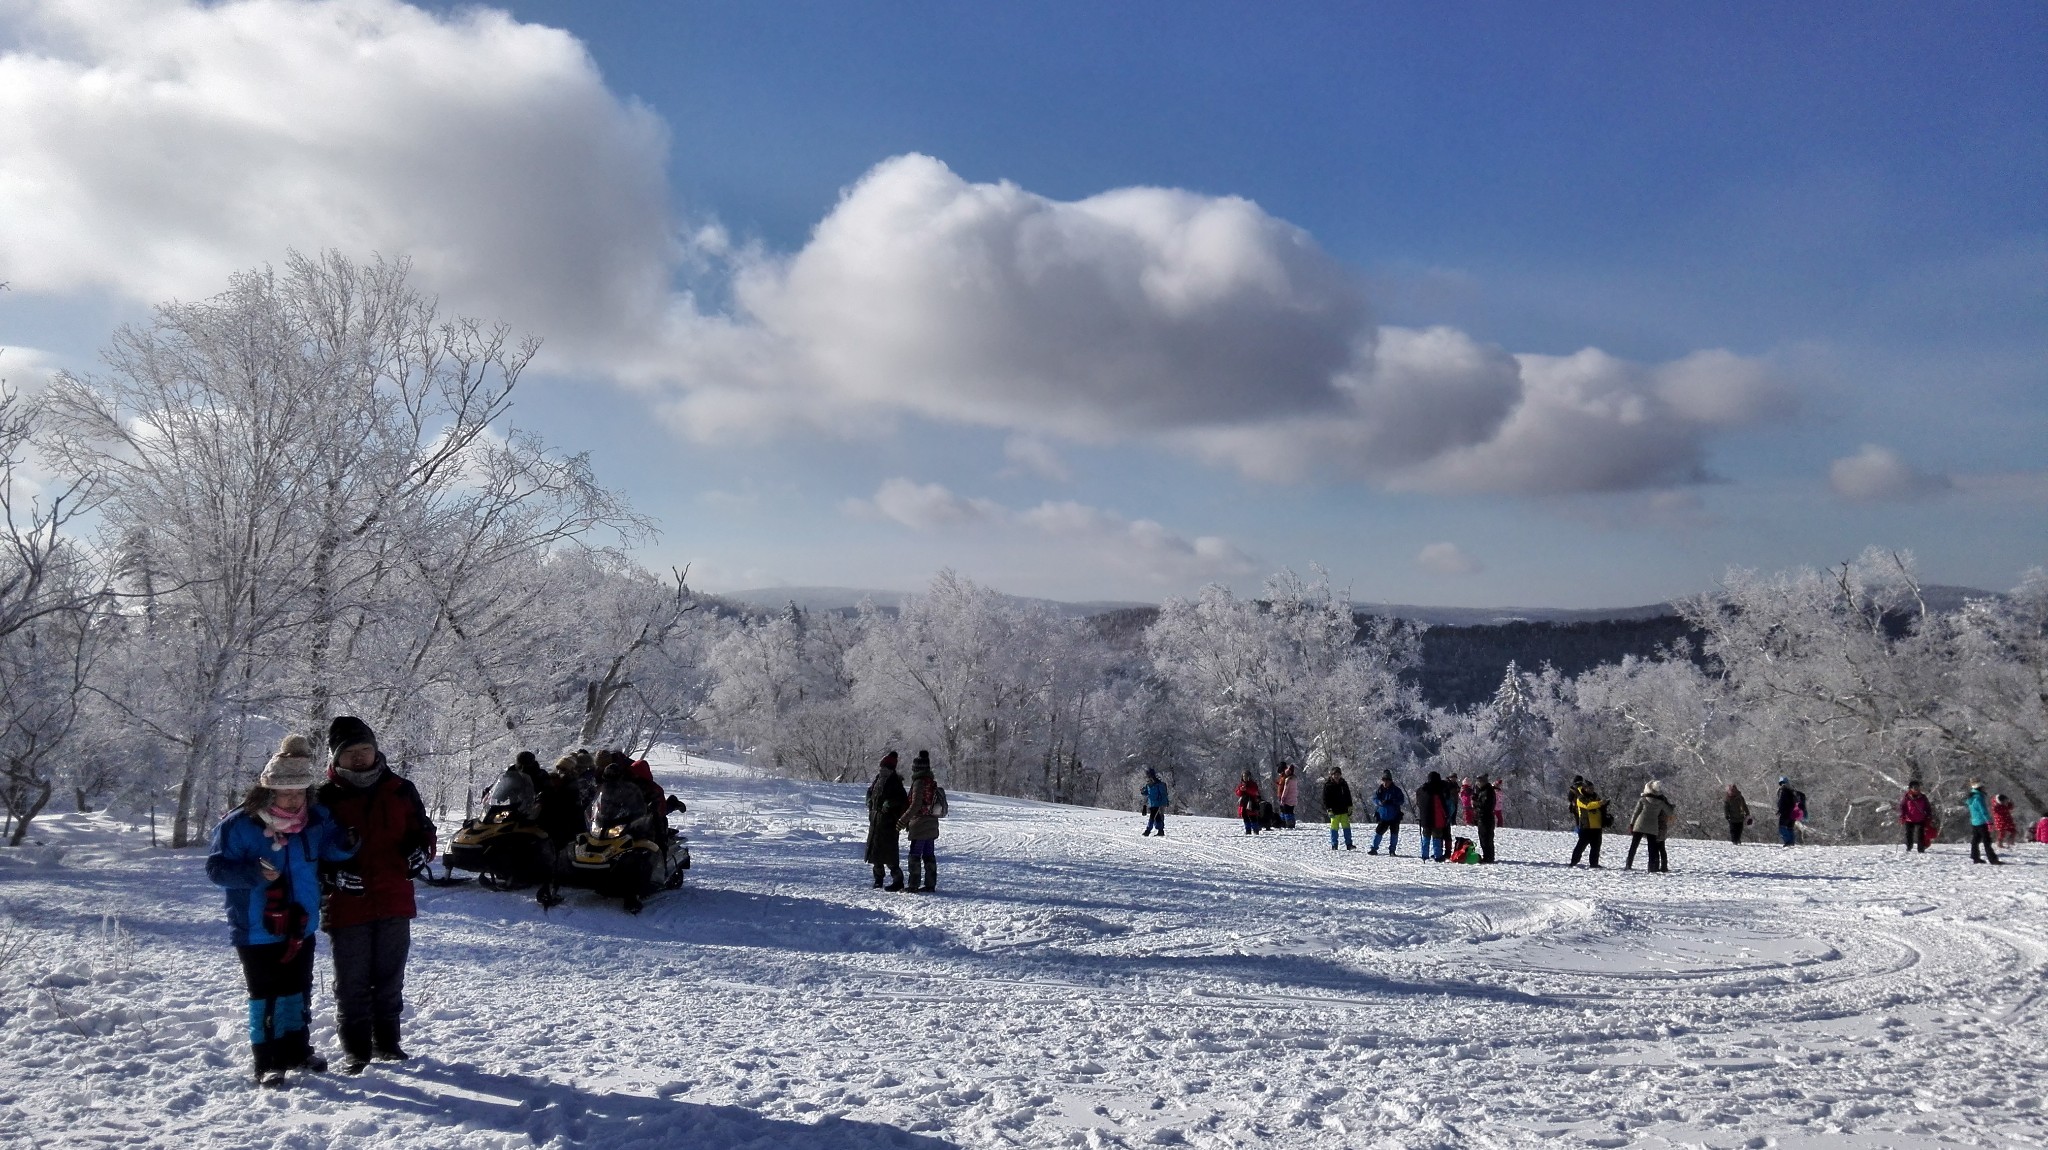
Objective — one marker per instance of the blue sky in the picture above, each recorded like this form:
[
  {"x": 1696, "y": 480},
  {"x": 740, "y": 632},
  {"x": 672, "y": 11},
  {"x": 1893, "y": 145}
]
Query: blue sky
[{"x": 845, "y": 293}]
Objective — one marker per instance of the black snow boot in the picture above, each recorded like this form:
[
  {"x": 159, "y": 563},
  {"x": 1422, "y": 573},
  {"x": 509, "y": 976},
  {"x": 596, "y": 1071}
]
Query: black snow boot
[
  {"x": 355, "y": 1047},
  {"x": 878, "y": 877},
  {"x": 931, "y": 876},
  {"x": 916, "y": 873},
  {"x": 895, "y": 879},
  {"x": 384, "y": 1041}
]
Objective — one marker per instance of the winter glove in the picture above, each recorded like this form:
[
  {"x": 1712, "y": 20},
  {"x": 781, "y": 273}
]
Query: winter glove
[
  {"x": 346, "y": 881},
  {"x": 416, "y": 862}
]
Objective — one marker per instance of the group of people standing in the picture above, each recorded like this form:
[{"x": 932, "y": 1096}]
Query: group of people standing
[
  {"x": 304, "y": 852},
  {"x": 1649, "y": 824},
  {"x": 1439, "y": 805},
  {"x": 914, "y": 810},
  {"x": 1993, "y": 826}
]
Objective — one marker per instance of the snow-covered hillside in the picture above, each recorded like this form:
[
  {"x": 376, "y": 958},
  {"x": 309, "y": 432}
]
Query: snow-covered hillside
[{"x": 1073, "y": 984}]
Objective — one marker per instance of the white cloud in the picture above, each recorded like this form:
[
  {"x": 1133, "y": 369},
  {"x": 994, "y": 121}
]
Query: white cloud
[
  {"x": 1719, "y": 389},
  {"x": 1141, "y": 546},
  {"x": 923, "y": 506},
  {"x": 1138, "y": 546},
  {"x": 1131, "y": 310},
  {"x": 25, "y": 370},
  {"x": 1447, "y": 559},
  {"x": 1878, "y": 474},
  {"x": 1438, "y": 411},
  {"x": 154, "y": 146},
  {"x": 1035, "y": 456}
]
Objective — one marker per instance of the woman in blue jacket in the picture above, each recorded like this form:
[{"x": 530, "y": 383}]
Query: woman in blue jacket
[
  {"x": 1980, "y": 824},
  {"x": 1155, "y": 804},
  {"x": 267, "y": 856}
]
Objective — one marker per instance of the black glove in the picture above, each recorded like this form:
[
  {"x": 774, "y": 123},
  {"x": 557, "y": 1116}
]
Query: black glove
[
  {"x": 346, "y": 881},
  {"x": 416, "y": 862}
]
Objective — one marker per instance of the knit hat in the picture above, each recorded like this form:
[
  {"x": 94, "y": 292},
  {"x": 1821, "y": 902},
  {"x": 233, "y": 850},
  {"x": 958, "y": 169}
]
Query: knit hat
[
  {"x": 526, "y": 760},
  {"x": 922, "y": 764},
  {"x": 1783, "y": 781},
  {"x": 889, "y": 760},
  {"x": 348, "y": 731},
  {"x": 291, "y": 768}
]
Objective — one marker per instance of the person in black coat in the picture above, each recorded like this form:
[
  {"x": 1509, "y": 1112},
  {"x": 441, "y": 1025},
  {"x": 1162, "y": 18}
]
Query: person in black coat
[
  {"x": 887, "y": 800},
  {"x": 1337, "y": 801},
  {"x": 1788, "y": 812},
  {"x": 1485, "y": 815},
  {"x": 1436, "y": 804}
]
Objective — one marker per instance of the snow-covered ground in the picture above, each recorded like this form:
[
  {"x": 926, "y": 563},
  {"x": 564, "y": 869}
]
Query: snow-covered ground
[{"x": 1074, "y": 984}]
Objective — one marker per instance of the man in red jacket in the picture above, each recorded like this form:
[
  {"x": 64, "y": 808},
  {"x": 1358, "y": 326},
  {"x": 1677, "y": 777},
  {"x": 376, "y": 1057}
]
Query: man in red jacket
[{"x": 370, "y": 905}]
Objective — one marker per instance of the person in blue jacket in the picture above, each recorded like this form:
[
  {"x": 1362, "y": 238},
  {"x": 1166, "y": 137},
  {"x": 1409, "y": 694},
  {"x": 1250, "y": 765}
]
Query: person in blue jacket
[
  {"x": 1980, "y": 824},
  {"x": 1155, "y": 804},
  {"x": 1387, "y": 803},
  {"x": 267, "y": 856}
]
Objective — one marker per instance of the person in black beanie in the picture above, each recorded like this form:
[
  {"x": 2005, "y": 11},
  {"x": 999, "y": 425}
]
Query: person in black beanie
[{"x": 370, "y": 905}]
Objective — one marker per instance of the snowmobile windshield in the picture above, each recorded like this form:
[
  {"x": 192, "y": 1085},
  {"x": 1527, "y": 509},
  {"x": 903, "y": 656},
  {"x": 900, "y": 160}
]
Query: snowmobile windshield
[
  {"x": 616, "y": 806},
  {"x": 515, "y": 790}
]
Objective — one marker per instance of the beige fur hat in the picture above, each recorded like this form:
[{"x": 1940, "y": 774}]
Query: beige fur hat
[{"x": 291, "y": 768}]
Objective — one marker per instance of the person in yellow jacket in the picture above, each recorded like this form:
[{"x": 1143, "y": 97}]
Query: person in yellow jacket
[{"x": 1589, "y": 812}]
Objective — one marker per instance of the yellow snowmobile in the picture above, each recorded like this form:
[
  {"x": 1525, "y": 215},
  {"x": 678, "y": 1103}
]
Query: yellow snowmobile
[
  {"x": 506, "y": 852},
  {"x": 626, "y": 853}
]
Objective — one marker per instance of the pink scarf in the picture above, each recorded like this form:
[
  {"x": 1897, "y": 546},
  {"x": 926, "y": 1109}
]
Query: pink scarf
[{"x": 281, "y": 823}]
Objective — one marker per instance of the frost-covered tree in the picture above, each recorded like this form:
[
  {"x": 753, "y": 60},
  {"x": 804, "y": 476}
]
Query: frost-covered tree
[
  {"x": 309, "y": 489},
  {"x": 1256, "y": 681},
  {"x": 51, "y": 594},
  {"x": 784, "y": 693},
  {"x": 964, "y": 672}
]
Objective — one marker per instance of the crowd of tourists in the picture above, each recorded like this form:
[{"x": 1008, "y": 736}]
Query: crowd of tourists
[{"x": 337, "y": 851}]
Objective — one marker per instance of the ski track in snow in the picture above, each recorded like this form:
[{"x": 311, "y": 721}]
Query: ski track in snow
[{"x": 1073, "y": 984}]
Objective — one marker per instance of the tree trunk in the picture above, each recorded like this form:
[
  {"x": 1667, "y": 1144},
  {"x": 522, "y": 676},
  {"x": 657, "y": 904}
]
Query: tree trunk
[
  {"x": 22, "y": 817},
  {"x": 181, "y": 822}
]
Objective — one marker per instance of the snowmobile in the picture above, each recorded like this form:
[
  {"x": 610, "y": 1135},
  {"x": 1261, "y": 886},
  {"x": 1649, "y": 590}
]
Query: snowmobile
[
  {"x": 625, "y": 859},
  {"x": 505, "y": 851}
]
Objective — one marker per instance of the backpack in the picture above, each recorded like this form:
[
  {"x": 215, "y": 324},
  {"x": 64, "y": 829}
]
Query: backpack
[{"x": 938, "y": 801}]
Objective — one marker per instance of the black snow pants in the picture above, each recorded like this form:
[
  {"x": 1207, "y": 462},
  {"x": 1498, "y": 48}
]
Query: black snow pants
[
  {"x": 1916, "y": 837},
  {"x": 1484, "y": 827},
  {"x": 280, "y": 1001},
  {"x": 1657, "y": 860},
  {"x": 1588, "y": 840},
  {"x": 369, "y": 980},
  {"x": 1981, "y": 835},
  {"x": 1735, "y": 831}
]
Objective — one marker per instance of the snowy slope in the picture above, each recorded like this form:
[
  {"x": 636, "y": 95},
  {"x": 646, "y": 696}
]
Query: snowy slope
[{"x": 1075, "y": 985}]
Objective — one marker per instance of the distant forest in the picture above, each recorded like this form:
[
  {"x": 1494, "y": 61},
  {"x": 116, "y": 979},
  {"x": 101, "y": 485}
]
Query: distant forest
[{"x": 1462, "y": 666}]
